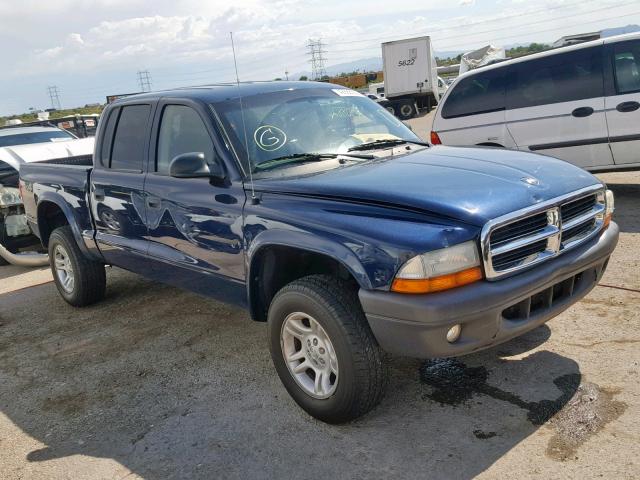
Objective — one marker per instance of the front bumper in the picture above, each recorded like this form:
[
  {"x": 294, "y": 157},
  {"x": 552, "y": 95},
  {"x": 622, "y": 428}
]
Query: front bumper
[{"x": 489, "y": 312}]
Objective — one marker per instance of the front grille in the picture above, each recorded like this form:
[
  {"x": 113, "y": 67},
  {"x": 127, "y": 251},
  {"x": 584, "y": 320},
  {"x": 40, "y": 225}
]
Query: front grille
[
  {"x": 574, "y": 209},
  {"x": 532, "y": 235},
  {"x": 574, "y": 234},
  {"x": 512, "y": 258},
  {"x": 520, "y": 228}
]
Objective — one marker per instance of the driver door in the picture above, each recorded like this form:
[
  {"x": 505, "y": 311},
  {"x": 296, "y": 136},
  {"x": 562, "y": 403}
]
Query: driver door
[{"x": 194, "y": 225}]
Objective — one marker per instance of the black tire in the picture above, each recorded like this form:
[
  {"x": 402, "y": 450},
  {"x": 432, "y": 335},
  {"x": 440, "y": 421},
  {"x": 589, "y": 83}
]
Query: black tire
[
  {"x": 90, "y": 281},
  {"x": 407, "y": 110},
  {"x": 391, "y": 109},
  {"x": 362, "y": 370},
  {"x": 3, "y": 262}
]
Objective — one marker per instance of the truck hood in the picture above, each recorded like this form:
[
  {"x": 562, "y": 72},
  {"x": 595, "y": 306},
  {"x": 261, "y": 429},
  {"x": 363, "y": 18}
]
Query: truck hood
[{"x": 473, "y": 185}]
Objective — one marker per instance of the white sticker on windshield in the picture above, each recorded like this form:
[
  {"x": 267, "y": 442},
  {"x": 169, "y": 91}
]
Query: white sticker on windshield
[{"x": 345, "y": 92}]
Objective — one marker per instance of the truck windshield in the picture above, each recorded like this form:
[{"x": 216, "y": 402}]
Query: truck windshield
[
  {"x": 308, "y": 120},
  {"x": 34, "y": 137}
]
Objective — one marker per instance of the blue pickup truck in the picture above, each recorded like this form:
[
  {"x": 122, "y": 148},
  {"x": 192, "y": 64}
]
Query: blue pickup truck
[{"x": 328, "y": 219}]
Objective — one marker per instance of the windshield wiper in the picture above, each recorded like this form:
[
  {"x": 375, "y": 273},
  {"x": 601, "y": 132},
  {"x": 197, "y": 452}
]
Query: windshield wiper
[
  {"x": 390, "y": 142},
  {"x": 305, "y": 157}
]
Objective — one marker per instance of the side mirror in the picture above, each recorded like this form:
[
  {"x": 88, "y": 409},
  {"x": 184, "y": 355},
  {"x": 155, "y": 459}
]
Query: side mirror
[{"x": 193, "y": 165}]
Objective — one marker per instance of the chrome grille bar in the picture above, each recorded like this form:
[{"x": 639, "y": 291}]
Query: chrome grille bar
[{"x": 544, "y": 241}]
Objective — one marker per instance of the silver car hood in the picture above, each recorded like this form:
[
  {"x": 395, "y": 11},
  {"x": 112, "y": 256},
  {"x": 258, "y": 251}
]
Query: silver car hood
[{"x": 38, "y": 152}]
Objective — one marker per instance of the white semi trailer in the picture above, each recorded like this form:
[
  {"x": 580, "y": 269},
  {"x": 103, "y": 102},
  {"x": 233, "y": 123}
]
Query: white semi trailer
[{"x": 410, "y": 75}]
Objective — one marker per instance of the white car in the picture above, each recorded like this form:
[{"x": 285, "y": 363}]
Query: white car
[
  {"x": 579, "y": 103},
  {"x": 20, "y": 145}
]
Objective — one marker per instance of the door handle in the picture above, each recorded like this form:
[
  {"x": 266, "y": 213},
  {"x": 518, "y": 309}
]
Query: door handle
[
  {"x": 153, "y": 202},
  {"x": 98, "y": 194},
  {"x": 628, "y": 107},
  {"x": 582, "y": 112}
]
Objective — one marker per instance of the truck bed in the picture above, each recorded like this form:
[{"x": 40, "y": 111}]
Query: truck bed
[{"x": 64, "y": 177}]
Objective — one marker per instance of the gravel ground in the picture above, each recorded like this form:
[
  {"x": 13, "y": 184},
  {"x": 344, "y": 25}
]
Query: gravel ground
[{"x": 158, "y": 383}]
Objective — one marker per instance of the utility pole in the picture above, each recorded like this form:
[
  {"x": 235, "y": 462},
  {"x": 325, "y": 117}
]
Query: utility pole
[
  {"x": 317, "y": 53},
  {"x": 54, "y": 95},
  {"x": 144, "y": 80}
]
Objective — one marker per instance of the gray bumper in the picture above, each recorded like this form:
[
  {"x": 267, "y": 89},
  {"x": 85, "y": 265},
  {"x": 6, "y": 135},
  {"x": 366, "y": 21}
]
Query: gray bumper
[{"x": 489, "y": 312}]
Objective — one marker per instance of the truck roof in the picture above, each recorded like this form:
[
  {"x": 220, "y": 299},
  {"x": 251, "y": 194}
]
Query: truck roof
[{"x": 227, "y": 91}]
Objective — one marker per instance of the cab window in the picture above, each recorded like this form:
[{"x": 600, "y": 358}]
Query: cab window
[
  {"x": 130, "y": 137},
  {"x": 181, "y": 131}
]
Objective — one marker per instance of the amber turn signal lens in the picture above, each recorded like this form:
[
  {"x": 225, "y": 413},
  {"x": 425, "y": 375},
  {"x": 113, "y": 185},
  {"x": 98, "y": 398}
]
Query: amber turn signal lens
[
  {"x": 435, "y": 139},
  {"x": 607, "y": 222},
  {"x": 437, "y": 284}
]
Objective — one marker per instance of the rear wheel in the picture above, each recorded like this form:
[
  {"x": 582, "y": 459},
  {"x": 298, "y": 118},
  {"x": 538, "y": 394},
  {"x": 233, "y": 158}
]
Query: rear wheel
[
  {"x": 80, "y": 281},
  {"x": 324, "y": 351},
  {"x": 407, "y": 110}
]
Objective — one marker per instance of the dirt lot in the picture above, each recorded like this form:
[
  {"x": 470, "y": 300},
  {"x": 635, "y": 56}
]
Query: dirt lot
[{"x": 159, "y": 383}]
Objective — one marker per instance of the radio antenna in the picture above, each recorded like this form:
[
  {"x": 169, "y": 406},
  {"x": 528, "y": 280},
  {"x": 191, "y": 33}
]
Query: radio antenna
[{"x": 254, "y": 199}]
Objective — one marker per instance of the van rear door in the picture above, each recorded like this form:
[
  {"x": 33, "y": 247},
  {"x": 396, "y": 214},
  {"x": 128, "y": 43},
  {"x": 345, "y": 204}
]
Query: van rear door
[
  {"x": 555, "y": 106},
  {"x": 623, "y": 100}
]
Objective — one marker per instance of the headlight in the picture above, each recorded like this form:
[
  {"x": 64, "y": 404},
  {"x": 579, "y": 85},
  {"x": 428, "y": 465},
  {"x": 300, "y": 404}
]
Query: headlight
[
  {"x": 609, "y": 207},
  {"x": 439, "y": 270},
  {"x": 9, "y": 196}
]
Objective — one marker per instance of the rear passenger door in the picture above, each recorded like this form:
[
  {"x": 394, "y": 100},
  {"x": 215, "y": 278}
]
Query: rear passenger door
[
  {"x": 555, "y": 106},
  {"x": 623, "y": 100},
  {"x": 117, "y": 186}
]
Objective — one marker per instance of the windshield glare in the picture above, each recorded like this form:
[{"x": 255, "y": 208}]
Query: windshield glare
[{"x": 309, "y": 120}]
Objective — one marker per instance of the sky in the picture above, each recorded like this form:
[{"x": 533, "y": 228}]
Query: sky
[{"x": 93, "y": 48}]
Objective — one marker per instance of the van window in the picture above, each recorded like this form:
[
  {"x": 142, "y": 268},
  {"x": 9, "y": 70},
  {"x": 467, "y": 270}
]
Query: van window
[
  {"x": 482, "y": 92},
  {"x": 626, "y": 64},
  {"x": 130, "y": 138},
  {"x": 181, "y": 131},
  {"x": 557, "y": 78}
]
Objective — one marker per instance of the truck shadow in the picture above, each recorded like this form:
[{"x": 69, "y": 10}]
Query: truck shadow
[{"x": 171, "y": 385}]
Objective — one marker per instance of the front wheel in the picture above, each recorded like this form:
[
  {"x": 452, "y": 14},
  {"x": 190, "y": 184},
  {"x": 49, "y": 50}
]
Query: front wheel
[
  {"x": 324, "y": 351},
  {"x": 80, "y": 281}
]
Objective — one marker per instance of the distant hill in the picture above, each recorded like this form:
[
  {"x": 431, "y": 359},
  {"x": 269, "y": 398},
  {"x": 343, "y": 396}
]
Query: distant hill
[{"x": 610, "y": 32}]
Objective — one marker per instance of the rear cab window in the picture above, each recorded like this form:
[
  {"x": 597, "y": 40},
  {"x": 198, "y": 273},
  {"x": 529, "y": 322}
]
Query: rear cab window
[{"x": 129, "y": 138}]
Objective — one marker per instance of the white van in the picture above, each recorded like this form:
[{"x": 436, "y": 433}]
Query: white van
[{"x": 579, "y": 103}]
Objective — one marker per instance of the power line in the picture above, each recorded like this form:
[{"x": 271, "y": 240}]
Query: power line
[
  {"x": 469, "y": 24},
  {"x": 317, "y": 51},
  {"x": 439, "y": 39},
  {"x": 144, "y": 80},
  {"x": 54, "y": 95},
  {"x": 561, "y": 27}
]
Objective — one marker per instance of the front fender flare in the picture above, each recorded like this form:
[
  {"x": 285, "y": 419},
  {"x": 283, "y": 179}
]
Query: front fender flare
[{"x": 312, "y": 243}]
